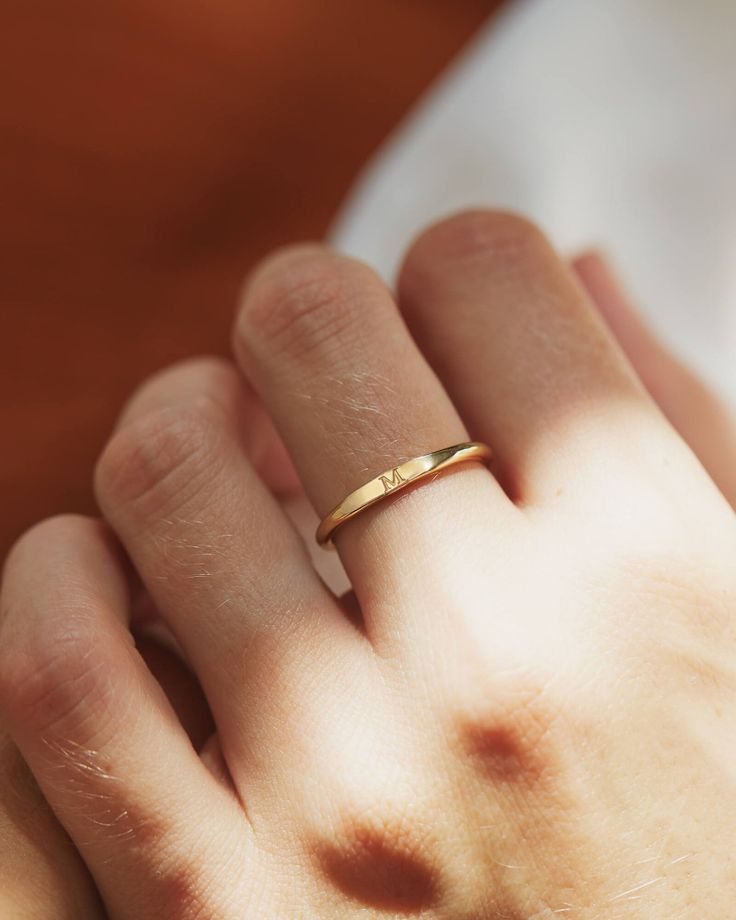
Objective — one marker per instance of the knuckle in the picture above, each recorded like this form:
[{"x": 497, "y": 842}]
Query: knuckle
[
  {"x": 300, "y": 301},
  {"x": 684, "y": 600},
  {"x": 470, "y": 237},
  {"x": 22, "y": 570},
  {"x": 162, "y": 459},
  {"x": 197, "y": 885},
  {"x": 672, "y": 575},
  {"x": 508, "y": 727},
  {"x": 382, "y": 853},
  {"x": 56, "y": 683},
  {"x": 46, "y": 672},
  {"x": 183, "y": 894},
  {"x": 59, "y": 530},
  {"x": 209, "y": 376}
]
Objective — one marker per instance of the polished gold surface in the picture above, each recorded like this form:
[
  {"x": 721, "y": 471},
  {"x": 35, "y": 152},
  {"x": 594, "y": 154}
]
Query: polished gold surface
[{"x": 394, "y": 480}]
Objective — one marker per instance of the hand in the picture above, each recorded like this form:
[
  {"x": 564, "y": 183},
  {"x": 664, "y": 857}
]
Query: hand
[{"x": 527, "y": 711}]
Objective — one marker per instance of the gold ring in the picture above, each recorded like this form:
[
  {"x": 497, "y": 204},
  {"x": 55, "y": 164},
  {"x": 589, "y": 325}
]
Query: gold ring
[{"x": 394, "y": 480}]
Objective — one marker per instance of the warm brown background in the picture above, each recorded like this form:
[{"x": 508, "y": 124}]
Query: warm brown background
[{"x": 150, "y": 151}]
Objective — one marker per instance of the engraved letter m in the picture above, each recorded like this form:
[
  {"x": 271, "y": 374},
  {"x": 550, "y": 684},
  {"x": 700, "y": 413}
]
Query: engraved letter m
[{"x": 393, "y": 483}]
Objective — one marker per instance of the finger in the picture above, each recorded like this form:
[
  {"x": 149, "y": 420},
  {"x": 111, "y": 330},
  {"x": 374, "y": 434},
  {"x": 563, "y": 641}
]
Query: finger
[
  {"x": 264, "y": 448},
  {"x": 321, "y": 340},
  {"x": 702, "y": 419},
  {"x": 41, "y": 874},
  {"x": 223, "y": 565},
  {"x": 261, "y": 441},
  {"x": 526, "y": 357},
  {"x": 97, "y": 731}
]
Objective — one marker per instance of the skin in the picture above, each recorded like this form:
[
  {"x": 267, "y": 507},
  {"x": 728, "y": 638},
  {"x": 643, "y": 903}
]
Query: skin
[{"x": 524, "y": 710}]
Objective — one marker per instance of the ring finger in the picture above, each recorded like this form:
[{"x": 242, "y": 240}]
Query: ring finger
[{"x": 321, "y": 340}]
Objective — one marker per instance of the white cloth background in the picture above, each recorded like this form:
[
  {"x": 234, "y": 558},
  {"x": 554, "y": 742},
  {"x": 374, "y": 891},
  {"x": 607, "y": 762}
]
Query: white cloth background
[{"x": 611, "y": 122}]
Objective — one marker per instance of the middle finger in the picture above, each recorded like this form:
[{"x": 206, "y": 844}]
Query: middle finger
[{"x": 220, "y": 559}]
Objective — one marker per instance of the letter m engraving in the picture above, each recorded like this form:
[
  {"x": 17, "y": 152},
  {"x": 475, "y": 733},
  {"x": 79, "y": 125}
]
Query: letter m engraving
[{"x": 389, "y": 484}]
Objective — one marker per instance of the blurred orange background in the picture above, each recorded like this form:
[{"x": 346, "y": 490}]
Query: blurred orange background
[{"x": 150, "y": 152}]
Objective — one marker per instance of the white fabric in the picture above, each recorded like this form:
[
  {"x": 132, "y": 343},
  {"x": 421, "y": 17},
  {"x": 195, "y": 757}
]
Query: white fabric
[{"x": 611, "y": 122}]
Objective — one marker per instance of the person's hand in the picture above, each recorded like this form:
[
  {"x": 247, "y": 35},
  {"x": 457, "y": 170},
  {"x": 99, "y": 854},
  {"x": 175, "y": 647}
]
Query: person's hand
[{"x": 527, "y": 708}]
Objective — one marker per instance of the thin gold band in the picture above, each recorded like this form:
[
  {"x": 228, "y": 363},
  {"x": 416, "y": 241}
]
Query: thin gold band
[{"x": 394, "y": 480}]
